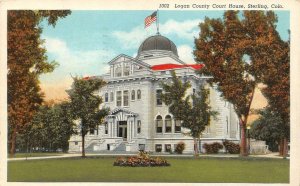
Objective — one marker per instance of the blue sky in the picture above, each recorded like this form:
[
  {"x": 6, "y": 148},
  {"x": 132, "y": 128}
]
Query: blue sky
[{"x": 83, "y": 42}]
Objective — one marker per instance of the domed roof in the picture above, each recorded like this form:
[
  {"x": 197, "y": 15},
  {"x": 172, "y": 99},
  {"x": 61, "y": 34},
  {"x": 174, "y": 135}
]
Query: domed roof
[{"x": 158, "y": 42}]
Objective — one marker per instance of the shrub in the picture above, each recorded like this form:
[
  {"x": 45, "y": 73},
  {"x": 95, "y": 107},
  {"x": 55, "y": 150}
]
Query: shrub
[
  {"x": 231, "y": 147},
  {"x": 180, "y": 147},
  {"x": 141, "y": 160},
  {"x": 212, "y": 148}
]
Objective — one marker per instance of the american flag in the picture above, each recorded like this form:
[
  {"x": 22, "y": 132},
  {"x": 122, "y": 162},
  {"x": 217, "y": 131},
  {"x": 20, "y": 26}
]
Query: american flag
[{"x": 150, "y": 19}]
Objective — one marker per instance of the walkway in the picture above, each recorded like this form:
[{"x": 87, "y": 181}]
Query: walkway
[{"x": 106, "y": 154}]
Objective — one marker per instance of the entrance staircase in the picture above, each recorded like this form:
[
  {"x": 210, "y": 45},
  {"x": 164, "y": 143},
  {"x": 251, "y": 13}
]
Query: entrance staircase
[{"x": 121, "y": 147}]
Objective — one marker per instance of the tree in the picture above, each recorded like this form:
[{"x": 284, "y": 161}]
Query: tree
[
  {"x": 268, "y": 127},
  {"x": 238, "y": 53},
  {"x": 85, "y": 105},
  {"x": 49, "y": 130},
  {"x": 26, "y": 61},
  {"x": 193, "y": 110}
]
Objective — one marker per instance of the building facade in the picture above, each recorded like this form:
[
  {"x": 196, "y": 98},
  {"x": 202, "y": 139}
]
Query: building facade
[{"x": 138, "y": 119}]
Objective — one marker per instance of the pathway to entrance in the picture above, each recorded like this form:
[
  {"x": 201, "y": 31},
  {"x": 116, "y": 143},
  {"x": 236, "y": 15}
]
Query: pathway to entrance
[{"x": 271, "y": 155}]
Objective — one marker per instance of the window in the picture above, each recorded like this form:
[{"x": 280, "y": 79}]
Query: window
[
  {"x": 119, "y": 98},
  {"x": 139, "y": 124},
  {"x": 106, "y": 128},
  {"x": 133, "y": 95},
  {"x": 139, "y": 94},
  {"x": 227, "y": 124},
  {"x": 158, "y": 97},
  {"x": 125, "y": 98},
  {"x": 92, "y": 131},
  {"x": 142, "y": 147},
  {"x": 118, "y": 71},
  {"x": 106, "y": 97},
  {"x": 168, "y": 147},
  {"x": 111, "y": 96},
  {"x": 126, "y": 70},
  {"x": 76, "y": 142},
  {"x": 168, "y": 124},
  {"x": 159, "y": 124},
  {"x": 158, "y": 147},
  {"x": 177, "y": 126}
]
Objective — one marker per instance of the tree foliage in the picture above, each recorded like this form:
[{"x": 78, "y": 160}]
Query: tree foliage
[
  {"x": 240, "y": 51},
  {"x": 49, "y": 130},
  {"x": 268, "y": 127},
  {"x": 26, "y": 61},
  {"x": 85, "y": 104},
  {"x": 193, "y": 110}
]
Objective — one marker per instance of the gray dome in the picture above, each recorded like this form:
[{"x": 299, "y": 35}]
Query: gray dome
[{"x": 158, "y": 42}]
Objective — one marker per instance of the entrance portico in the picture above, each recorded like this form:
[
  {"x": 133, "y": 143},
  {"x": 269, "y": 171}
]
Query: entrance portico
[{"x": 122, "y": 124}]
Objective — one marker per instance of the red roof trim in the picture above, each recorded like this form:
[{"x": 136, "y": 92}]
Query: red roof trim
[{"x": 174, "y": 66}]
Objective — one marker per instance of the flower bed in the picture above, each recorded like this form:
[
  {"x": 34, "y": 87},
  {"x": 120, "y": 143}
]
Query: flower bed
[{"x": 141, "y": 160}]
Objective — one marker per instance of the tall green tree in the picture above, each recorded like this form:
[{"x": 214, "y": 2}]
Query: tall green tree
[
  {"x": 49, "y": 130},
  {"x": 268, "y": 127},
  {"x": 238, "y": 51},
  {"x": 193, "y": 110},
  {"x": 26, "y": 61},
  {"x": 85, "y": 105}
]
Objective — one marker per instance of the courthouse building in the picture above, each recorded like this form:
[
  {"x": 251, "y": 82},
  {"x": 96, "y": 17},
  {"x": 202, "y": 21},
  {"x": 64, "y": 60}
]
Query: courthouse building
[{"x": 138, "y": 119}]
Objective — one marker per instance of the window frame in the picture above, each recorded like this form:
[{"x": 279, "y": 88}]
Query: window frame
[
  {"x": 157, "y": 120},
  {"x": 132, "y": 95},
  {"x": 168, "y": 149},
  {"x": 106, "y": 97},
  {"x": 111, "y": 96},
  {"x": 119, "y": 100},
  {"x": 168, "y": 118},
  {"x": 139, "y": 94},
  {"x": 139, "y": 126},
  {"x": 126, "y": 105},
  {"x": 156, "y": 147},
  {"x": 175, "y": 122},
  {"x": 159, "y": 101}
]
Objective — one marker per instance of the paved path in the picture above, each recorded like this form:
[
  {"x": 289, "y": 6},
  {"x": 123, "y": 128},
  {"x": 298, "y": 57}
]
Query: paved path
[{"x": 271, "y": 155}]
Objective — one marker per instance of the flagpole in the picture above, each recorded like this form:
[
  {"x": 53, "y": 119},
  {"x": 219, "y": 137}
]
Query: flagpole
[{"x": 157, "y": 23}]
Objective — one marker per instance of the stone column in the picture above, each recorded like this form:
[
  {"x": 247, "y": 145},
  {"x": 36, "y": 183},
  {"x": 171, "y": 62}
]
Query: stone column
[
  {"x": 109, "y": 128},
  {"x": 128, "y": 130}
]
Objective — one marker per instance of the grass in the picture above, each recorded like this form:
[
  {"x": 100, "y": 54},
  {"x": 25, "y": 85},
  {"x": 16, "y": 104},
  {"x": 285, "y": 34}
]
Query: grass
[
  {"x": 35, "y": 154},
  {"x": 181, "y": 170}
]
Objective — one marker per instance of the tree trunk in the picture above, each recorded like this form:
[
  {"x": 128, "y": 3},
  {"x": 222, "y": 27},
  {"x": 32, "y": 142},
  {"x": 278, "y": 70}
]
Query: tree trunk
[
  {"x": 285, "y": 147},
  {"x": 82, "y": 144},
  {"x": 281, "y": 144},
  {"x": 196, "y": 151},
  {"x": 243, "y": 145},
  {"x": 13, "y": 142}
]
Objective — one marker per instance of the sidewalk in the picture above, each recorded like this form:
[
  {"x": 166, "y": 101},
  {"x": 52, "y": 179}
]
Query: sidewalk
[{"x": 271, "y": 155}]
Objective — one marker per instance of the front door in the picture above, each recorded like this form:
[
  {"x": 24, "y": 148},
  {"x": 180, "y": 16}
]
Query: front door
[{"x": 122, "y": 129}]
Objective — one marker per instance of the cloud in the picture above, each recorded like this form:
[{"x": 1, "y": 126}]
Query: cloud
[
  {"x": 186, "y": 30},
  {"x": 185, "y": 53},
  {"x": 71, "y": 62}
]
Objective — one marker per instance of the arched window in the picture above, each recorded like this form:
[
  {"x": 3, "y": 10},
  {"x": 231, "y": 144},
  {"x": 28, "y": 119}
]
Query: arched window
[
  {"x": 159, "y": 124},
  {"x": 139, "y": 126},
  {"x": 106, "y": 97},
  {"x": 139, "y": 94},
  {"x": 133, "y": 95},
  {"x": 177, "y": 126},
  {"x": 168, "y": 124}
]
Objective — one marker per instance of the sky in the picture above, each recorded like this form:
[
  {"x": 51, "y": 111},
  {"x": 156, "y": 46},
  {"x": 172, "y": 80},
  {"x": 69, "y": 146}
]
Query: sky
[{"x": 85, "y": 41}]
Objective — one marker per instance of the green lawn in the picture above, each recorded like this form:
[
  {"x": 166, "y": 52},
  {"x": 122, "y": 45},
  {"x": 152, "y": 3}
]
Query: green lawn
[
  {"x": 35, "y": 154},
  {"x": 181, "y": 170}
]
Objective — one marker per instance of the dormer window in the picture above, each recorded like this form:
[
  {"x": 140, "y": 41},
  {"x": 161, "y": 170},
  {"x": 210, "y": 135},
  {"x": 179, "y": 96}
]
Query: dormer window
[
  {"x": 126, "y": 70},
  {"x": 118, "y": 71}
]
